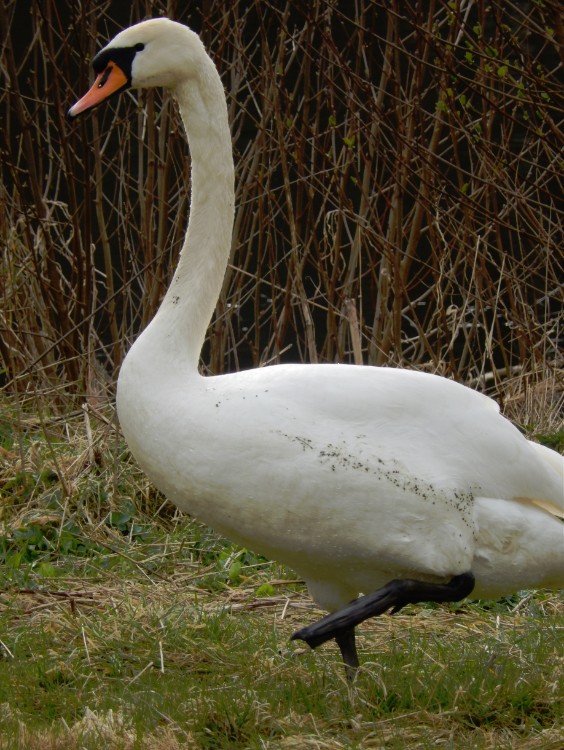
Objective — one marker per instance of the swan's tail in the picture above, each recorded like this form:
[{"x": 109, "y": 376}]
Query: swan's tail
[{"x": 554, "y": 464}]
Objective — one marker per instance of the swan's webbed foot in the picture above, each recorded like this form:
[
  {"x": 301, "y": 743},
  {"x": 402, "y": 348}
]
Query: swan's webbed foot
[{"x": 394, "y": 595}]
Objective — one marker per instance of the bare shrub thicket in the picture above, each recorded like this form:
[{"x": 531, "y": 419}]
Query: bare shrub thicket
[{"x": 399, "y": 193}]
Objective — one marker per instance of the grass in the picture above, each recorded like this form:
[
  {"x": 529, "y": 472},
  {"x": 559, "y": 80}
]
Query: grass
[{"x": 126, "y": 625}]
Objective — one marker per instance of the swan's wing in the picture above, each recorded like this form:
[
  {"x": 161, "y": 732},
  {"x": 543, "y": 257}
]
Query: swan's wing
[{"x": 426, "y": 428}]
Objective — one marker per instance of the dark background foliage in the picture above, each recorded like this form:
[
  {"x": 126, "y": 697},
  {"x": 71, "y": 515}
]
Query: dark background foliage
[{"x": 399, "y": 189}]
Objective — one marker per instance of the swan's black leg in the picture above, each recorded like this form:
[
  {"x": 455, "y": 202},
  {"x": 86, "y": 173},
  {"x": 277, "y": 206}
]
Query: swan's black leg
[
  {"x": 394, "y": 595},
  {"x": 347, "y": 643}
]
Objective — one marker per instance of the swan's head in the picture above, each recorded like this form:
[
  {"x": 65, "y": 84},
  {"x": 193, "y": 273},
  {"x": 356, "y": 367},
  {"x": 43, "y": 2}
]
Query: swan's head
[{"x": 158, "y": 52}]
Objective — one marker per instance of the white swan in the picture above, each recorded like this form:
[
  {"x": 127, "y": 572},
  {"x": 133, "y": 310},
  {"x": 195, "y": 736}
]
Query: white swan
[{"x": 361, "y": 479}]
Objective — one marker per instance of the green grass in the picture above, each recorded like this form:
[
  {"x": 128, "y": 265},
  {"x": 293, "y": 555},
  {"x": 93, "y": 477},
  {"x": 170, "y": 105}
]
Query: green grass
[
  {"x": 165, "y": 660},
  {"x": 125, "y": 625}
]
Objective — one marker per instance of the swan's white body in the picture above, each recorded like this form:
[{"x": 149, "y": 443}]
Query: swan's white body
[{"x": 350, "y": 475}]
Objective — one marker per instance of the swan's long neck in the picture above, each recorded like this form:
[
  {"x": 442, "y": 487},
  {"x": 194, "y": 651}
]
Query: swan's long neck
[{"x": 180, "y": 325}]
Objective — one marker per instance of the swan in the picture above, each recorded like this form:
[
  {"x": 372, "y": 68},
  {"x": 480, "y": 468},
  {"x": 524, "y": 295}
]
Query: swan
[{"x": 378, "y": 486}]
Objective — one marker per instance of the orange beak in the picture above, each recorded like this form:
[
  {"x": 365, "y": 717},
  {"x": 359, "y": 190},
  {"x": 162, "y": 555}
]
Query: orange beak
[{"x": 108, "y": 82}]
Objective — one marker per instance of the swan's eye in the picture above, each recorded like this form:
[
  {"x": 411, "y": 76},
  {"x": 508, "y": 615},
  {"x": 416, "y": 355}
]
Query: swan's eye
[
  {"x": 105, "y": 77},
  {"x": 139, "y": 46}
]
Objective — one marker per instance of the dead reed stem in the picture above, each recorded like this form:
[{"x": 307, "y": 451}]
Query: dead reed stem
[{"x": 396, "y": 159}]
